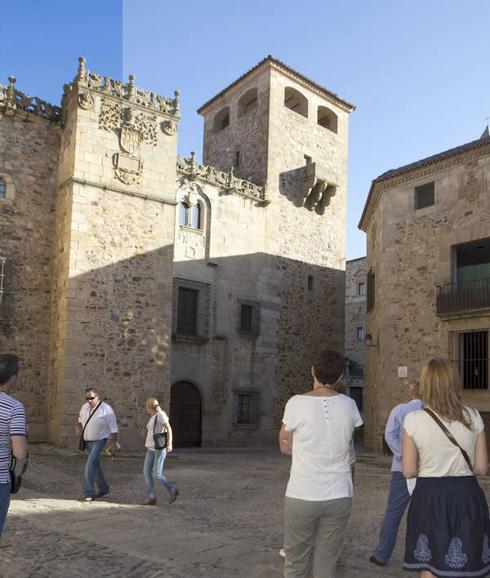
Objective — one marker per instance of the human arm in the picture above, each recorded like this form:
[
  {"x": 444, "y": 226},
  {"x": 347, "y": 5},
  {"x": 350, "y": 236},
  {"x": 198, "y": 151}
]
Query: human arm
[
  {"x": 285, "y": 441},
  {"x": 393, "y": 434},
  {"x": 170, "y": 437},
  {"x": 410, "y": 457},
  {"x": 480, "y": 466},
  {"x": 112, "y": 423}
]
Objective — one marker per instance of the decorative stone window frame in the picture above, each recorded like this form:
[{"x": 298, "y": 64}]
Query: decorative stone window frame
[
  {"x": 246, "y": 409},
  {"x": 254, "y": 329},
  {"x": 9, "y": 191},
  {"x": 203, "y": 313}
]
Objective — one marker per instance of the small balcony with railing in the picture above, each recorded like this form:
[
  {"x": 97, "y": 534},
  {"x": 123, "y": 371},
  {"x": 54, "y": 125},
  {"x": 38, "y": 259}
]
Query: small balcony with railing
[
  {"x": 464, "y": 297},
  {"x": 470, "y": 291}
]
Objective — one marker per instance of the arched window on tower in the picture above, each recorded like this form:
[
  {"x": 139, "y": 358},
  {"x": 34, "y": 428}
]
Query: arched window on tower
[
  {"x": 196, "y": 216},
  {"x": 327, "y": 118},
  {"x": 184, "y": 214},
  {"x": 294, "y": 100},
  {"x": 247, "y": 102},
  {"x": 222, "y": 119}
]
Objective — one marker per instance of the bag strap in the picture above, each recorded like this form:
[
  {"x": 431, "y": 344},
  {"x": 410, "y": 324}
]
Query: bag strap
[
  {"x": 90, "y": 417},
  {"x": 450, "y": 436}
]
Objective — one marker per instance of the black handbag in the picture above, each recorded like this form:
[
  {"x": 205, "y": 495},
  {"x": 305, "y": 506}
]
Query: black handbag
[
  {"x": 159, "y": 439},
  {"x": 82, "y": 444},
  {"x": 15, "y": 479}
]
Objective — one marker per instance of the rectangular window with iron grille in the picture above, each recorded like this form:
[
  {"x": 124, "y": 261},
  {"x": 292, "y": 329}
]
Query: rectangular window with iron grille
[
  {"x": 245, "y": 407},
  {"x": 191, "y": 309},
  {"x": 472, "y": 359},
  {"x": 249, "y": 321}
]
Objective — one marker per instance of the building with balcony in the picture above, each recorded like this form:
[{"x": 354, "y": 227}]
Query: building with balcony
[{"x": 428, "y": 278}]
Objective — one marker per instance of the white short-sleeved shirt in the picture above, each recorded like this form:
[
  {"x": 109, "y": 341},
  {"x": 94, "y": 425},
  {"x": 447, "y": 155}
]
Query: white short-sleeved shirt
[
  {"x": 323, "y": 429},
  {"x": 162, "y": 421},
  {"x": 102, "y": 424},
  {"x": 438, "y": 456}
]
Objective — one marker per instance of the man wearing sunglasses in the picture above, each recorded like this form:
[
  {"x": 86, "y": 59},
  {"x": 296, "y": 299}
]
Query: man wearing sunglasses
[{"x": 97, "y": 424}]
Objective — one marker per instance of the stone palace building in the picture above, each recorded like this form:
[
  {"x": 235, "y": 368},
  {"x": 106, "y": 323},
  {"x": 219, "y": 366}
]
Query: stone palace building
[
  {"x": 428, "y": 278},
  {"x": 133, "y": 270}
]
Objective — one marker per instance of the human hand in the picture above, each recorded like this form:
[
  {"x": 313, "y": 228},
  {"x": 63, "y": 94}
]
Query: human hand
[{"x": 169, "y": 448}]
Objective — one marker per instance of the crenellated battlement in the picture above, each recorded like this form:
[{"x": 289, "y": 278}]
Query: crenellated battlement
[
  {"x": 227, "y": 180},
  {"x": 12, "y": 100},
  {"x": 128, "y": 91}
]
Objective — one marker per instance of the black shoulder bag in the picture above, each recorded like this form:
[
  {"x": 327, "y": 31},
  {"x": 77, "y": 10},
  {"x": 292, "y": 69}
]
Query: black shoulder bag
[
  {"x": 160, "y": 439},
  {"x": 82, "y": 444},
  {"x": 15, "y": 476},
  {"x": 450, "y": 436}
]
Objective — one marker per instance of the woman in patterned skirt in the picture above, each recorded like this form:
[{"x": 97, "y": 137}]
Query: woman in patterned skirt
[{"x": 444, "y": 445}]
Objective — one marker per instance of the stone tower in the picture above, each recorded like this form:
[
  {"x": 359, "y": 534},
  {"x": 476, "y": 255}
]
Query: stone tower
[
  {"x": 277, "y": 128},
  {"x": 113, "y": 250}
]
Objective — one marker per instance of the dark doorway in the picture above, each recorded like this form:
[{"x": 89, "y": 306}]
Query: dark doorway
[{"x": 185, "y": 414}]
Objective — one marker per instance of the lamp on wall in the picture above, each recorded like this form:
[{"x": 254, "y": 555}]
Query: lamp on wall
[{"x": 369, "y": 341}]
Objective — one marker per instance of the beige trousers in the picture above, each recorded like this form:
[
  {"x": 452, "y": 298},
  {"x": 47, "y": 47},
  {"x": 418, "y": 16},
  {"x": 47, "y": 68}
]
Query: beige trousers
[{"x": 313, "y": 535}]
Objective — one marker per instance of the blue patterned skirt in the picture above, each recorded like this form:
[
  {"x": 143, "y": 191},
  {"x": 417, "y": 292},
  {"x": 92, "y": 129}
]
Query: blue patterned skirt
[{"x": 448, "y": 528}]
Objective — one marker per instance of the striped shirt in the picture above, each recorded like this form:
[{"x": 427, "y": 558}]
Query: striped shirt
[{"x": 12, "y": 423}]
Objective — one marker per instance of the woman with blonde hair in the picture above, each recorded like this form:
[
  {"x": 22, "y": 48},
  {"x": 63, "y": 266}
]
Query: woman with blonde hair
[
  {"x": 157, "y": 425},
  {"x": 444, "y": 445}
]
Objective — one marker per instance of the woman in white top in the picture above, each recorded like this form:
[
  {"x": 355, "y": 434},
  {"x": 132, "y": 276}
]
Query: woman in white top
[
  {"x": 317, "y": 431},
  {"x": 155, "y": 458},
  {"x": 448, "y": 526}
]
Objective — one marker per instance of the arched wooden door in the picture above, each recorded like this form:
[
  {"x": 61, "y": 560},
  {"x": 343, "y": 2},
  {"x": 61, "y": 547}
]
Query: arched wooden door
[{"x": 185, "y": 414}]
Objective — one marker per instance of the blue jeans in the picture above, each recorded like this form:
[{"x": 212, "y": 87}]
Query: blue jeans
[
  {"x": 4, "y": 504},
  {"x": 153, "y": 468},
  {"x": 93, "y": 470},
  {"x": 398, "y": 500}
]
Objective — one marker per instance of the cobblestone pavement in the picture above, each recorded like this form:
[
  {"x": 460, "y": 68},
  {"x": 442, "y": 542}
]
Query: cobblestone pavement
[{"x": 227, "y": 522}]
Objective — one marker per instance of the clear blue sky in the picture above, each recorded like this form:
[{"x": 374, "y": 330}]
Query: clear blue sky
[{"x": 416, "y": 69}]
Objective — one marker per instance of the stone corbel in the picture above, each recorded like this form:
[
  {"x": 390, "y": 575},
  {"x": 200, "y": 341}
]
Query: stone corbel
[{"x": 316, "y": 188}]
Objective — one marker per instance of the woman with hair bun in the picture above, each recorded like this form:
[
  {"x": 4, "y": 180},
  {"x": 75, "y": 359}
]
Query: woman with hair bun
[
  {"x": 444, "y": 446},
  {"x": 155, "y": 458}
]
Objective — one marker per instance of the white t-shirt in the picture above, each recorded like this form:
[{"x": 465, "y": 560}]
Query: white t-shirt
[
  {"x": 438, "y": 456},
  {"x": 323, "y": 429},
  {"x": 162, "y": 420},
  {"x": 101, "y": 425}
]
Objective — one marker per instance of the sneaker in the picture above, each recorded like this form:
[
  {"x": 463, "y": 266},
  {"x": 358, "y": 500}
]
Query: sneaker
[
  {"x": 173, "y": 497},
  {"x": 149, "y": 502},
  {"x": 100, "y": 494},
  {"x": 282, "y": 553},
  {"x": 374, "y": 560},
  {"x": 88, "y": 499}
]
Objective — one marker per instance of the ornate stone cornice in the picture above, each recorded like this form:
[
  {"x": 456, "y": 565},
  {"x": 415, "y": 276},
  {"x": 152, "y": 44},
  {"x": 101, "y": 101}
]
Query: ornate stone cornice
[
  {"x": 12, "y": 100},
  {"x": 116, "y": 189},
  {"x": 383, "y": 183},
  {"x": 109, "y": 87},
  {"x": 191, "y": 170}
]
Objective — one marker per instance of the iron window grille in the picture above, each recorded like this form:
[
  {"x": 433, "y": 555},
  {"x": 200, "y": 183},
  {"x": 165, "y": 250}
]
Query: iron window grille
[
  {"x": 360, "y": 334},
  {"x": 249, "y": 321},
  {"x": 424, "y": 196},
  {"x": 246, "y": 408},
  {"x": 361, "y": 288},
  {"x": 191, "y": 309},
  {"x": 3, "y": 188},
  {"x": 472, "y": 359}
]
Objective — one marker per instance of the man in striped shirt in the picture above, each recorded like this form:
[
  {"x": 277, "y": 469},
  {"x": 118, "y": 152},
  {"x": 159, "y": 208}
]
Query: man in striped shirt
[{"x": 13, "y": 431}]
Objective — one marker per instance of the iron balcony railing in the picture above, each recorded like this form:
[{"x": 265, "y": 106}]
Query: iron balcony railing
[{"x": 461, "y": 297}]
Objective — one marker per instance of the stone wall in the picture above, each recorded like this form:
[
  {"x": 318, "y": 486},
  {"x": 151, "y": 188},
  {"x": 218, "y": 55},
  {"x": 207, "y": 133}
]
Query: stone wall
[
  {"x": 355, "y": 310},
  {"x": 411, "y": 253},
  {"x": 28, "y": 163}
]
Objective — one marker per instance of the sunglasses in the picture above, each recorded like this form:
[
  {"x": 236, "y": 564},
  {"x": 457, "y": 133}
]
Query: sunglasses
[{"x": 90, "y": 398}]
